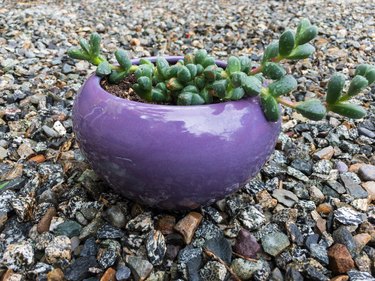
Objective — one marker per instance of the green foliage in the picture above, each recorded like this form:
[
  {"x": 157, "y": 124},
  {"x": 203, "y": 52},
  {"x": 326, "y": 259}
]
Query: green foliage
[{"x": 197, "y": 80}]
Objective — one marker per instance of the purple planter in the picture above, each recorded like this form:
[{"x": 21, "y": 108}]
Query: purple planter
[{"x": 172, "y": 157}]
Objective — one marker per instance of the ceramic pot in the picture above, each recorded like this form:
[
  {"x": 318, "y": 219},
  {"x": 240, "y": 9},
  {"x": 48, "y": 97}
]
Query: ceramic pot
[{"x": 172, "y": 157}]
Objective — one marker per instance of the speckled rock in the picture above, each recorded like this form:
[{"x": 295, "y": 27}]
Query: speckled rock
[
  {"x": 274, "y": 243},
  {"x": 19, "y": 256},
  {"x": 58, "y": 249}
]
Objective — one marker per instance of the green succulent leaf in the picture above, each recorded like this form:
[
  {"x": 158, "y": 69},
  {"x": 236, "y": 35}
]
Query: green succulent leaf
[
  {"x": 145, "y": 61},
  {"x": 283, "y": 86},
  {"x": 196, "y": 99},
  {"x": 85, "y": 46},
  {"x": 272, "y": 51},
  {"x": 286, "y": 43},
  {"x": 245, "y": 64},
  {"x": 162, "y": 87},
  {"x": 348, "y": 110},
  {"x": 302, "y": 26},
  {"x": 200, "y": 56},
  {"x": 218, "y": 88},
  {"x": 208, "y": 61},
  {"x": 94, "y": 44},
  {"x": 144, "y": 83},
  {"x": 335, "y": 87},
  {"x": 357, "y": 84},
  {"x": 189, "y": 99},
  {"x": 200, "y": 82},
  {"x": 172, "y": 71},
  {"x": 174, "y": 85},
  {"x": 273, "y": 70},
  {"x": 270, "y": 107},
  {"x": 193, "y": 69},
  {"x": 191, "y": 89},
  {"x": 301, "y": 52},
  {"x": 200, "y": 69},
  {"x": 144, "y": 70},
  {"x": 183, "y": 74},
  {"x": 206, "y": 96},
  {"x": 238, "y": 78},
  {"x": 362, "y": 69},
  {"x": 141, "y": 92},
  {"x": 306, "y": 35},
  {"x": 103, "y": 69},
  {"x": 117, "y": 76},
  {"x": 158, "y": 96},
  {"x": 312, "y": 109},
  {"x": 370, "y": 75},
  {"x": 252, "y": 86},
  {"x": 189, "y": 58},
  {"x": 78, "y": 54},
  {"x": 162, "y": 66},
  {"x": 123, "y": 60},
  {"x": 234, "y": 65},
  {"x": 210, "y": 73},
  {"x": 237, "y": 93}
]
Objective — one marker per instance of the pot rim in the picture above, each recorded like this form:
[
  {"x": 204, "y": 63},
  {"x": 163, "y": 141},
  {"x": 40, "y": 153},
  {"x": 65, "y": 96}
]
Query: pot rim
[{"x": 96, "y": 80}]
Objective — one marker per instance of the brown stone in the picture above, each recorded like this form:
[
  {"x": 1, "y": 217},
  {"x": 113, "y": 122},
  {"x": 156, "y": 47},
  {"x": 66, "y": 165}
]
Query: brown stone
[
  {"x": 55, "y": 275},
  {"x": 355, "y": 167},
  {"x": 135, "y": 42},
  {"x": 165, "y": 224},
  {"x": 7, "y": 275},
  {"x": 265, "y": 199},
  {"x": 188, "y": 225},
  {"x": 340, "y": 260},
  {"x": 325, "y": 153},
  {"x": 362, "y": 239},
  {"x": 45, "y": 221},
  {"x": 109, "y": 275},
  {"x": 324, "y": 208},
  {"x": 321, "y": 225},
  {"x": 340, "y": 278},
  {"x": 369, "y": 186},
  {"x": 40, "y": 158}
]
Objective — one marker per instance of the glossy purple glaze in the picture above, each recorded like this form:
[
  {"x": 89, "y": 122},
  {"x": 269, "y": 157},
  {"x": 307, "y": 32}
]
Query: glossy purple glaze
[{"x": 172, "y": 157}]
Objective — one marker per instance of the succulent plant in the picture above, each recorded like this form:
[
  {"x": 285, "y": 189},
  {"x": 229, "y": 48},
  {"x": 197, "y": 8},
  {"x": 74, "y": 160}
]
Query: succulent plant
[{"x": 196, "y": 79}]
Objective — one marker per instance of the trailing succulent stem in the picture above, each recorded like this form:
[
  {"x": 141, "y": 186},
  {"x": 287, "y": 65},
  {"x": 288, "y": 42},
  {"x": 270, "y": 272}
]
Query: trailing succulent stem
[{"x": 196, "y": 79}]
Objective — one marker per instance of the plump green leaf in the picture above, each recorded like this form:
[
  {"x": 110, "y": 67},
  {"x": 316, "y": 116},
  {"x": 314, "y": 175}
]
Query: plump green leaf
[
  {"x": 302, "y": 26},
  {"x": 302, "y": 52},
  {"x": 183, "y": 74},
  {"x": 144, "y": 70},
  {"x": 238, "y": 78},
  {"x": 189, "y": 99},
  {"x": 189, "y": 58},
  {"x": 210, "y": 73},
  {"x": 218, "y": 88},
  {"x": 348, "y": 110},
  {"x": 245, "y": 64},
  {"x": 283, "y": 86},
  {"x": 306, "y": 35},
  {"x": 237, "y": 93},
  {"x": 252, "y": 86},
  {"x": 78, "y": 54},
  {"x": 335, "y": 87},
  {"x": 192, "y": 69},
  {"x": 85, "y": 46},
  {"x": 312, "y": 109},
  {"x": 162, "y": 87},
  {"x": 272, "y": 51},
  {"x": 141, "y": 92},
  {"x": 117, "y": 76},
  {"x": 123, "y": 60},
  {"x": 200, "y": 82},
  {"x": 206, "y": 96},
  {"x": 145, "y": 61},
  {"x": 200, "y": 56},
  {"x": 286, "y": 43},
  {"x": 362, "y": 69},
  {"x": 200, "y": 69},
  {"x": 145, "y": 83},
  {"x": 172, "y": 71},
  {"x": 370, "y": 75},
  {"x": 357, "y": 84},
  {"x": 103, "y": 69},
  {"x": 208, "y": 61},
  {"x": 174, "y": 85},
  {"x": 273, "y": 70},
  {"x": 94, "y": 44},
  {"x": 158, "y": 96},
  {"x": 191, "y": 89},
  {"x": 234, "y": 65},
  {"x": 196, "y": 99},
  {"x": 270, "y": 107},
  {"x": 162, "y": 66}
]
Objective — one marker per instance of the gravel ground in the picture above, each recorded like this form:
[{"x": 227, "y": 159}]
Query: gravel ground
[{"x": 309, "y": 215}]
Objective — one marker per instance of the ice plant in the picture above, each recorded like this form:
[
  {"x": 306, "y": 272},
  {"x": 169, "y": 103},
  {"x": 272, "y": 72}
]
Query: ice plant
[{"x": 197, "y": 80}]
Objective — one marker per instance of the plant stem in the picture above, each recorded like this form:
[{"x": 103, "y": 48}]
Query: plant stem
[
  {"x": 256, "y": 70},
  {"x": 287, "y": 103}
]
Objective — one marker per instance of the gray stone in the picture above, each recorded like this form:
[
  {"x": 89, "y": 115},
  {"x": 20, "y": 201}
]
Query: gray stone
[
  {"x": 79, "y": 269},
  {"x": 367, "y": 172},
  {"x": 251, "y": 218},
  {"x": 343, "y": 236},
  {"x": 245, "y": 269},
  {"x": 320, "y": 253},
  {"x": 140, "y": 267},
  {"x": 285, "y": 197},
  {"x": 123, "y": 273},
  {"x": 349, "y": 216},
  {"x": 297, "y": 174},
  {"x": 115, "y": 215},
  {"x": 50, "y": 132},
  {"x": 356, "y": 275},
  {"x": 353, "y": 188},
  {"x": 274, "y": 243},
  {"x": 69, "y": 228},
  {"x": 213, "y": 271}
]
